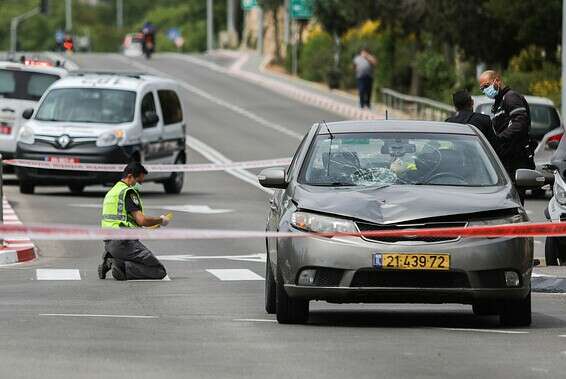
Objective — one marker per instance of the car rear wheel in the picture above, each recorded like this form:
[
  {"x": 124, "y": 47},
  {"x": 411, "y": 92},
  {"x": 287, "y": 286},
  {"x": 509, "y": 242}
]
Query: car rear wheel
[
  {"x": 289, "y": 310},
  {"x": 76, "y": 188},
  {"x": 551, "y": 251},
  {"x": 175, "y": 182},
  {"x": 485, "y": 309},
  {"x": 270, "y": 306},
  {"x": 516, "y": 312},
  {"x": 27, "y": 187}
]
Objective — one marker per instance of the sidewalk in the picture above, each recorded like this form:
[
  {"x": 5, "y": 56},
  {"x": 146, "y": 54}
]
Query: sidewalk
[
  {"x": 549, "y": 279},
  {"x": 15, "y": 250}
]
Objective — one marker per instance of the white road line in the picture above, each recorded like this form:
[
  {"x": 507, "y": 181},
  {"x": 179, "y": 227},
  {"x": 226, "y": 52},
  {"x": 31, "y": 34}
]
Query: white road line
[
  {"x": 235, "y": 274},
  {"x": 91, "y": 315},
  {"x": 252, "y": 320},
  {"x": 259, "y": 258},
  {"x": 496, "y": 331},
  {"x": 57, "y": 274},
  {"x": 562, "y": 335}
]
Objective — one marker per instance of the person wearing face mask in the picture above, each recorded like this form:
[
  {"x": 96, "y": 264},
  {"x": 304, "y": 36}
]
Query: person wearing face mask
[
  {"x": 123, "y": 208},
  {"x": 512, "y": 122}
]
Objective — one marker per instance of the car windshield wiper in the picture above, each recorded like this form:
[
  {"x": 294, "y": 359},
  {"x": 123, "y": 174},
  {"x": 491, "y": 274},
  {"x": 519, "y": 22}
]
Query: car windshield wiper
[{"x": 333, "y": 184}]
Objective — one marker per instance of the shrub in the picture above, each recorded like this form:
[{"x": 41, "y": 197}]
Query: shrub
[{"x": 317, "y": 57}]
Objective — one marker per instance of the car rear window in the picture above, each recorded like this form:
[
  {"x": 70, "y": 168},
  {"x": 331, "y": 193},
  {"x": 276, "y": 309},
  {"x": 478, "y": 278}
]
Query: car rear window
[
  {"x": 171, "y": 107},
  {"x": 24, "y": 85}
]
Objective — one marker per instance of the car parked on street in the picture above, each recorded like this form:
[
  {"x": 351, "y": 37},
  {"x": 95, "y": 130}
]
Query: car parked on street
[
  {"x": 359, "y": 176},
  {"x": 21, "y": 86},
  {"x": 103, "y": 118}
]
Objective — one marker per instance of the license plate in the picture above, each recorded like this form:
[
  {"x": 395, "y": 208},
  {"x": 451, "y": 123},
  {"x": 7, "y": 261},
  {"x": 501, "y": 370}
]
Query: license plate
[
  {"x": 66, "y": 160},
  {"x": 398, "y": 261}
]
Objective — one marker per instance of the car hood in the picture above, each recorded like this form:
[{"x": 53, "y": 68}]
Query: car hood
[{"x": 394, "y": 204}]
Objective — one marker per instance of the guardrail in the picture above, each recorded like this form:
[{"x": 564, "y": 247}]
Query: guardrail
[{"x": 418, "y": 107}]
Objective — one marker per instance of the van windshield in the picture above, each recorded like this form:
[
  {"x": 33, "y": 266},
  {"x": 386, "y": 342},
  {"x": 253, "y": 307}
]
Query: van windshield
[{"x": 91, "y": 105}]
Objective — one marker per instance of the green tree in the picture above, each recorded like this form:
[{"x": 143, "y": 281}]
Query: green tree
[{"x": 273, "y": 6}]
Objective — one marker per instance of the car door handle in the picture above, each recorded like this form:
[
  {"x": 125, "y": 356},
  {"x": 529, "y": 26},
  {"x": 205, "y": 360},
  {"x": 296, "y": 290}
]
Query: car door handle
[{"x": 272, "y": 204}]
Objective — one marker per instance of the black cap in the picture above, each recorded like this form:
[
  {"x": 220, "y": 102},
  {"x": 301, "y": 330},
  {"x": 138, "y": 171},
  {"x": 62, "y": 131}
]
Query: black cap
[
  {"x": 461, "y": 99},
  {"x": 134, "y": 168}
]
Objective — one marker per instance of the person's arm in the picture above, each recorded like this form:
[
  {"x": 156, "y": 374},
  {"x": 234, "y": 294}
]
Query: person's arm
[
  {"x": 517, "y": 111},
  {"x": 146, "y": 221},
  {"x": 370, "y": 58}
]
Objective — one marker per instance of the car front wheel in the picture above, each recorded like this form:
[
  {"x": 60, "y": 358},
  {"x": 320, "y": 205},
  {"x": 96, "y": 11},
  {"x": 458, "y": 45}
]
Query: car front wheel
[
  {"x": 26, "y": 187},
  {"x": 270, "y": 306},
  {"x": 289, "y": 310},
  {"x": 516, "y": 312},
  {"x": 174, "y": 184}
]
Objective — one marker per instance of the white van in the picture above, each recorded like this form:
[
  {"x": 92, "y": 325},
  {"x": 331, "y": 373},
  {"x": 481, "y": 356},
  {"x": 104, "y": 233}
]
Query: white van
[
  {"x": 21, "y": 87},
  {"x": 103, "y": 118}
]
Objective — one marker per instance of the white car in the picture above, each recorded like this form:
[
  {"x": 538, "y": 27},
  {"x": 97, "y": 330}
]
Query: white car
[
  {"x": 546, "y": 126},
  {"x": 21, "y": 87},
  {"x": 103, "y": 118}
]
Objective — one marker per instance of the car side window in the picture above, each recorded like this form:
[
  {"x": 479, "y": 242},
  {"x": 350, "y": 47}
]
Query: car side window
[
  {"x": 171, "y": 107},
  {"x": 147, "y": 105},
  {"x": 292, "y": 167}
]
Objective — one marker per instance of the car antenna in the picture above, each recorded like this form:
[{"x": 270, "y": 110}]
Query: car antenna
[
  {"x": 328, "y": 130},
  {"x": 386, "y": 114},
  {"x": 329, "y": 148}
]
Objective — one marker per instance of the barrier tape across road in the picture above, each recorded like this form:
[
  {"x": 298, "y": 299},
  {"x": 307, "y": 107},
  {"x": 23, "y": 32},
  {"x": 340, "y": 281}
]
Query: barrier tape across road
[
  {"x": 77, "y": 233},
  {"x": 105, "y": 167}
]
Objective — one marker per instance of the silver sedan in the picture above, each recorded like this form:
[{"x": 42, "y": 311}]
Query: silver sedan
[{"x": 389, "y": 175}]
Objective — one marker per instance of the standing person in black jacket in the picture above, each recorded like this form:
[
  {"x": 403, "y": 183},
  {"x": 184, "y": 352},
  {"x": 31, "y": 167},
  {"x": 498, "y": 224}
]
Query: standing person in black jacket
[
  {"x": 512, "y": 122},
  {"x": 464, "y": 105}
]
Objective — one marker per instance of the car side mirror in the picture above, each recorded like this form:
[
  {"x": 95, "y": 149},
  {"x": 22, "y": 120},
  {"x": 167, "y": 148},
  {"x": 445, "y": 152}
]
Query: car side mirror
[
  {"x": 272, "y": 178},
  {"x": 27, "y": 113},
  {"x": 526, "y": 178},
  {"x": 149, "y": 119}
]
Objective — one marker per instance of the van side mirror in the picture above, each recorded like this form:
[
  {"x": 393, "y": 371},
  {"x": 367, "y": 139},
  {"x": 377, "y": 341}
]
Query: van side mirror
[
  {"x": 272, "y": 178},
  {"x": 27, "y": 113},
  {"x": 149, "y": 119},
  {"x": 526, "y": 178}
]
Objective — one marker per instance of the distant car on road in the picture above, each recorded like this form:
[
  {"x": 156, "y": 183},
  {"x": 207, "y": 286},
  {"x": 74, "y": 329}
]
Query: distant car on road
[
  {"x": 348, "y": 177},
  {"x": 103, "y": 118},
  {"x": 21, "y": 86},
  {"x": 546, "y": 127}
]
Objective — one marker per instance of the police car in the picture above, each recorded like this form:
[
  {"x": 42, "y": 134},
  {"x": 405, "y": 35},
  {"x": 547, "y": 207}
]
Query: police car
[
  {"x": 21, "y": 86},
  {"x": 94, "y": 117}
]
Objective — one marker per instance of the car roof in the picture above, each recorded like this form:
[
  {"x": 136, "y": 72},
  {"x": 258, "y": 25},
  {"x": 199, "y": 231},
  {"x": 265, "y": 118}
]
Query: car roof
[
  {"x": 403, "y": 126},
  {"x": 480, "y": 100},
  {"x": 121, "y": 81},
  {"x": 16, "y": 66}
]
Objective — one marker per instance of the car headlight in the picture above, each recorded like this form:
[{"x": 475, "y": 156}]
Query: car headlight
[
  {"x": 559, "y": 193},
  {"x": 513, "y": 219},
  {"x": 26, "y": 135},
  {"x": 315, "y": 223},
  {"x": 110, "y": 138}
]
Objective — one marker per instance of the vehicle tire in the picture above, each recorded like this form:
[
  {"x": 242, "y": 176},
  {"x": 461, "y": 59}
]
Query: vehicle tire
[
  {"x": 485, "y": 309},
  {"x": 516, "y": 312},
  {"x": 27, "y": 187},
  {"x": 551, "y": 251},
  {"x": 538, "y": 193},
  {"x": 76, "y": 188},
  {"x": 289, "y": 310},
  {"x": 175, "y": 182},
  {"x": 270, "y": 306}
]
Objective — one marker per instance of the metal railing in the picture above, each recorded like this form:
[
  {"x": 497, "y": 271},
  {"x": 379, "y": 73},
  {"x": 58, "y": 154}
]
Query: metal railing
[{"x": 418, "y": 107}]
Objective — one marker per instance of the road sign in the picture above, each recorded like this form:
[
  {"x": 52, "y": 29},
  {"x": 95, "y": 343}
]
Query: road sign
[
  {"x": 173, "y": 34},
  {"x": 247, "y": 5},
  {"x": 301, "y": 9}
]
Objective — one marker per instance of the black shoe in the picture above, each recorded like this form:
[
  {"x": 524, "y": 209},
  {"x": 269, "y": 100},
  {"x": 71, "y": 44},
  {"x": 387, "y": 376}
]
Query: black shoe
[
  {"x": 118, "y": 273},
  {"x": 103, "y": 268}
]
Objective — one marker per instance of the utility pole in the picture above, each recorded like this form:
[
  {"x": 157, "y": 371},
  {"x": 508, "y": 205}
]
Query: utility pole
[
  {"x": 563, "y": 51},
  {"x": 209, "y": 26},
  {"x": 14, "y": 27},
  {"x": 68, "y": 15},
  {"x": 287, "y": 28},
  {"x": 230, "y": 16},
  {"x": 120, "y": 13},
  {"x": 260, "y": 30}
]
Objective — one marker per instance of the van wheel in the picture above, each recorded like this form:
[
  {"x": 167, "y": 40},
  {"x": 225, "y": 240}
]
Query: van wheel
[
  {"x": 516, "y": 312},
  {"x": 289, "y": 310},
  {"x": 175, "y": 182},
  {"x": 551, "y": 251},
  {"x": 485, "y": 308},
  {"x": 270, "y": 306},
  {"x": 76, "y": 188},
  {"x": 27, "y": 187}
]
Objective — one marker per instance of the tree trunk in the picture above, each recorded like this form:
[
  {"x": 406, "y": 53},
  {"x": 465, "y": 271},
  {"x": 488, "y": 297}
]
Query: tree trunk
[
  {"x": 274, "y": 13},
  {"x": 415, "y": 88}
]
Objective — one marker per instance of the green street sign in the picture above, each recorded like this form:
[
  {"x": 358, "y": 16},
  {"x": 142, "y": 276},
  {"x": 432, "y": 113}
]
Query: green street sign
[
  {"x": 248, "y": 5},
  {"x": 301, "y": 9}
]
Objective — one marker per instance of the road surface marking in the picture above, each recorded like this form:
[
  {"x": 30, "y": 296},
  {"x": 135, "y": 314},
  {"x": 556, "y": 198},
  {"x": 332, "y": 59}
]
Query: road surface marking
[
  {"x": 497, "y": 331},
  {"x": 562, "y": 335},
  {"x": 253, "y": 320},
  {"x": 57, "y": 274},
  {"x": 259, "y": 258},
  {"x": 235, "y": 274},
  {"x": 91, "y": 315}
]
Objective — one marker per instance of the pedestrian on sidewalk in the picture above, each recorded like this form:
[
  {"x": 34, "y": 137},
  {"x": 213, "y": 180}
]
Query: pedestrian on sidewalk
[
  {"x": 123, "y": 208},
  {"x": 465, "y": 114},
  {"x": 364, "y": 64}
]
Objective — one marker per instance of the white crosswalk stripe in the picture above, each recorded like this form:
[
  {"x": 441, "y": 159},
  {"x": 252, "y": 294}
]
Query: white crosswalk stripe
[
  {"x": 57, "y": 274},
  {"x": 235, "y": 274}
]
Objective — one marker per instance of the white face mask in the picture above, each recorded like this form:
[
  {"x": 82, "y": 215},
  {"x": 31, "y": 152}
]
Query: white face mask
[{"x": 137, "y": 187}]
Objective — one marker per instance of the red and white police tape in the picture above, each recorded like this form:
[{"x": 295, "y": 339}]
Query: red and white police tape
[
  {"x": 105, "y": 167},
  {"x": 73, "y": 232}
]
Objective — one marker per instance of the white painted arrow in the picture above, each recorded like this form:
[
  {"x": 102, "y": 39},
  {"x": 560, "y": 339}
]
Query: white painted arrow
[{"x": 260, "y": 258}]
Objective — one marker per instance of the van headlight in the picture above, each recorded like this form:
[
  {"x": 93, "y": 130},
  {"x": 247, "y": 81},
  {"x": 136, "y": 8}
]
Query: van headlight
[
  {"x": 311, "y": 222},
  {"x": 26, "y": 135},
  {"x": 110, "y": 138},
  {"x": 559, "y": 194}
]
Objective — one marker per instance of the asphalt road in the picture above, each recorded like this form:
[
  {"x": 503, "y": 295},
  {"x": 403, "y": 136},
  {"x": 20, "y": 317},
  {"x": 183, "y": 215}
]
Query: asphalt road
[{"x": 199, "y": 325}]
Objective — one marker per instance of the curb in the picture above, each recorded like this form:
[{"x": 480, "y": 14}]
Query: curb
[
  {"x": 15, "y": 250},
  {"x": 548, "y": 284}
]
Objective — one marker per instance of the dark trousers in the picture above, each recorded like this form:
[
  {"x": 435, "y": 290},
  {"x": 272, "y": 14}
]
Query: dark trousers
[
  {"x": 365, "y": 85},
  {"x": 133, "y": 258}
]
